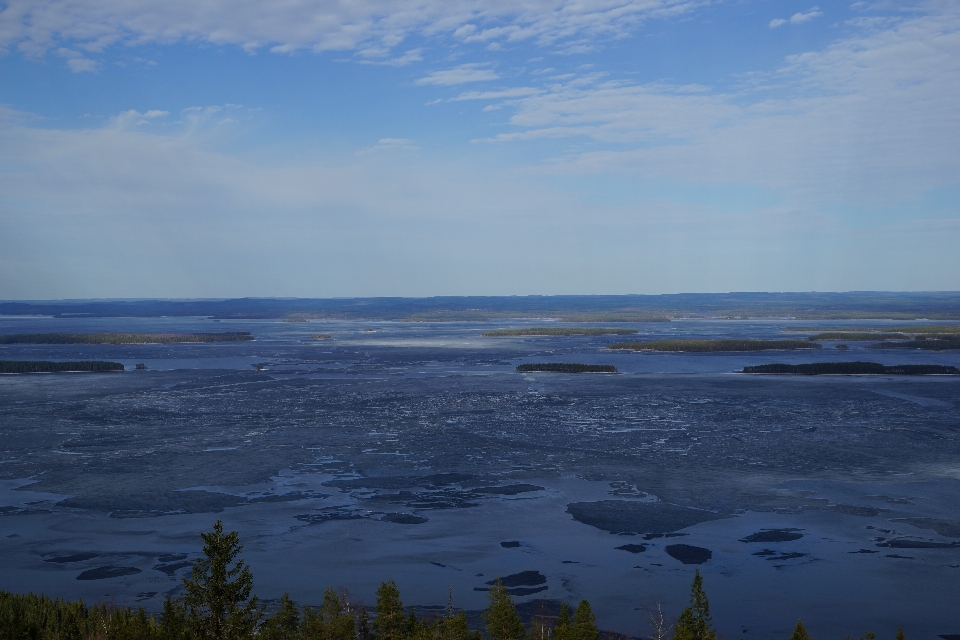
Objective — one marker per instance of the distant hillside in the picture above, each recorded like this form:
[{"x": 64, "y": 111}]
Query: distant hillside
[{"x": 626, "y": 308}]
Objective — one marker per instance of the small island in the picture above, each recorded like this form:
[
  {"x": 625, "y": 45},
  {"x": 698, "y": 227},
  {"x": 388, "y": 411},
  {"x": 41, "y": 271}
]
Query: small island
[
  {"x": 124, "y": 338},
  {"x": 43, "y": 366},
  {"x": 709, "y": 346},
  {"x": 854, "y": 368},
  {"x": 559, "y": 331},
  {"x": 566, "y": 367},
  {"x": 321, "y": 336}
]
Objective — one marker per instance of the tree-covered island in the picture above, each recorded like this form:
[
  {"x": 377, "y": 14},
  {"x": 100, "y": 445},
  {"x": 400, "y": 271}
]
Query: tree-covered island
[
  {"x": 43, "y": 366},
  {"x": 566, "y": 367},
  {"x": 709, "y": 346},
  {"x": 854, "y": 368},
  {"x": 559, "y": 331}
]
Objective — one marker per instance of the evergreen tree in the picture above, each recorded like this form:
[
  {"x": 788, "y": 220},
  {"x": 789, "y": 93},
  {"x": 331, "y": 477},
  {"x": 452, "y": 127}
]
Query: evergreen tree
[
  {"x": 218, "y": 594},
  {"x": 563, "y": 630},
  {"x": 338, "y": 622},
  {"x": 390, "y": 622},
  {"x": 585, "y": 623},
  {"x": 453, "y": 626},
  {"x": 800, "y": 632},
  {"x": 173, "y": 621},
  {"x": 503, "y": 621},
  {"x": 363, "y": 624},
  {"x": 284, "y": 624},
  {"x": 694, "y": 622},
  {"x": 900, "y": 634},
  {"x": 311, "y": 628}
]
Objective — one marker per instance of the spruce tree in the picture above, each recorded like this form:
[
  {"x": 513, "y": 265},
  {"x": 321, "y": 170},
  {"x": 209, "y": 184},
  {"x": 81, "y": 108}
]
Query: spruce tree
[
  {"x": 585, "y": 623},
  {"x": 503, "y": 621},
  {"x": 800, "y": 632},
  {"x": 694, "y": 622},
  {"x": 173, "y": 620},
  {"x": 563, "y": 629},
  {"x": 218, "y": 594},
  {"x": 284, "y": 624},
  {"x": 900, "y": 634},
  {"x": 453, "y": 626},
  {"x": 390, "y": 622},
  {"x": 338, "y": 622}
]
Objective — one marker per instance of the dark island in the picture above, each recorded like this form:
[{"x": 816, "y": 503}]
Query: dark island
[
  {"x": 854, "y": 368},
  {"x": 559, "y": 331},
  {"x": 42, "y": 366},
  {"x": 321, "y": 336},
  {"x": 124, "y": 338},
  {"x": 566, "y": 367},
  {"x": 707, "y": 346}
]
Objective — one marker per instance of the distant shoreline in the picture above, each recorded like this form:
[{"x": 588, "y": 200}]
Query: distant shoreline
[
  {"x": 125, "y": 338},
  {"x": 714, "y": 346}
]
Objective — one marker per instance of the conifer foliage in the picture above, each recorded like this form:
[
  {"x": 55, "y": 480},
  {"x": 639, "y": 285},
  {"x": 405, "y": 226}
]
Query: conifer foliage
[
  {"x": 695, "y": 622},
  {"x": 503, "y": 621},
  {"x": 218, "y": 590},
  {"x": 800, "y": 632}
]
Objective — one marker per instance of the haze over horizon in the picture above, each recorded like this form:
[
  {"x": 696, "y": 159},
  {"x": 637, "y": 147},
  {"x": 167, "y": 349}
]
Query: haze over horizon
[{"x": 334, "y": 149}]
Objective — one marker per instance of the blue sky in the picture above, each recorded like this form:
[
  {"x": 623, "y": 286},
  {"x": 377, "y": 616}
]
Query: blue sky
[{"x": 441, "y": 147}]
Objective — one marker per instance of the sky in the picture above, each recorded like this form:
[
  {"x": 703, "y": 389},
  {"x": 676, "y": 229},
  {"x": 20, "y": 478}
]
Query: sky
[{"x": 326, "y": 148}]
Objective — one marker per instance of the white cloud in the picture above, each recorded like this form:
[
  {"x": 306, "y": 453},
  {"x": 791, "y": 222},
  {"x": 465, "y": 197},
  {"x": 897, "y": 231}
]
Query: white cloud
[
  {"x": 155, "y": 113},
  {"x": 459, "y": 75},
  {"x": 516, "y": 92},
  {"x": 871, "y": 119},
  {"x": 36, "y": 26},
  {"x": 76, "y": 62},
  {"x": 797, "y": 18},
  {"x": 82, "y": 65}
]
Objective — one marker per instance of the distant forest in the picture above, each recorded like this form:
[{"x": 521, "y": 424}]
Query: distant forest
[
  {"x": 943, "y": 343},
  {"x": 40, "y": 366},
  {"x": 124, "y": 338},
  {"x": 874, "y": 331},
  {"x": 560, "y": 331},
  {"x": 218, "y": 604},
  {"x": 706, "y": 346},
  {"x": 854, "y": 368},
  {"x": 567, "y": 367},
  {"x": 857, "y": 336},
  {"x": 627, "y": 308}
]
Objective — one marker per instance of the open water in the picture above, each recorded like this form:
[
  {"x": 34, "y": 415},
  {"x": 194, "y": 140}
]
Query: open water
[{"x": 414, "y": 451}]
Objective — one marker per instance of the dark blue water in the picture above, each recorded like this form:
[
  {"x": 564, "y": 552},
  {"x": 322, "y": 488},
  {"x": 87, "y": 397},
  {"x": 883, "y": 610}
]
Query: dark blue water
[{"x": 413, "y": 450}]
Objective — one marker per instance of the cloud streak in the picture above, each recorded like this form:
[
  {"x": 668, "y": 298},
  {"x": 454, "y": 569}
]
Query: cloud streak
[
  {"x": 36, "y": 26},
  {"x": 462, "y": 74},
  {"x": 798, "y": 18},
  {"x": 870, "y": 119}
]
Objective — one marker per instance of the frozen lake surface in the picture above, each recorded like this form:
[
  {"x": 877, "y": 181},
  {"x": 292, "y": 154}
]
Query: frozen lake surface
[{"x": 414, "y": 451}]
